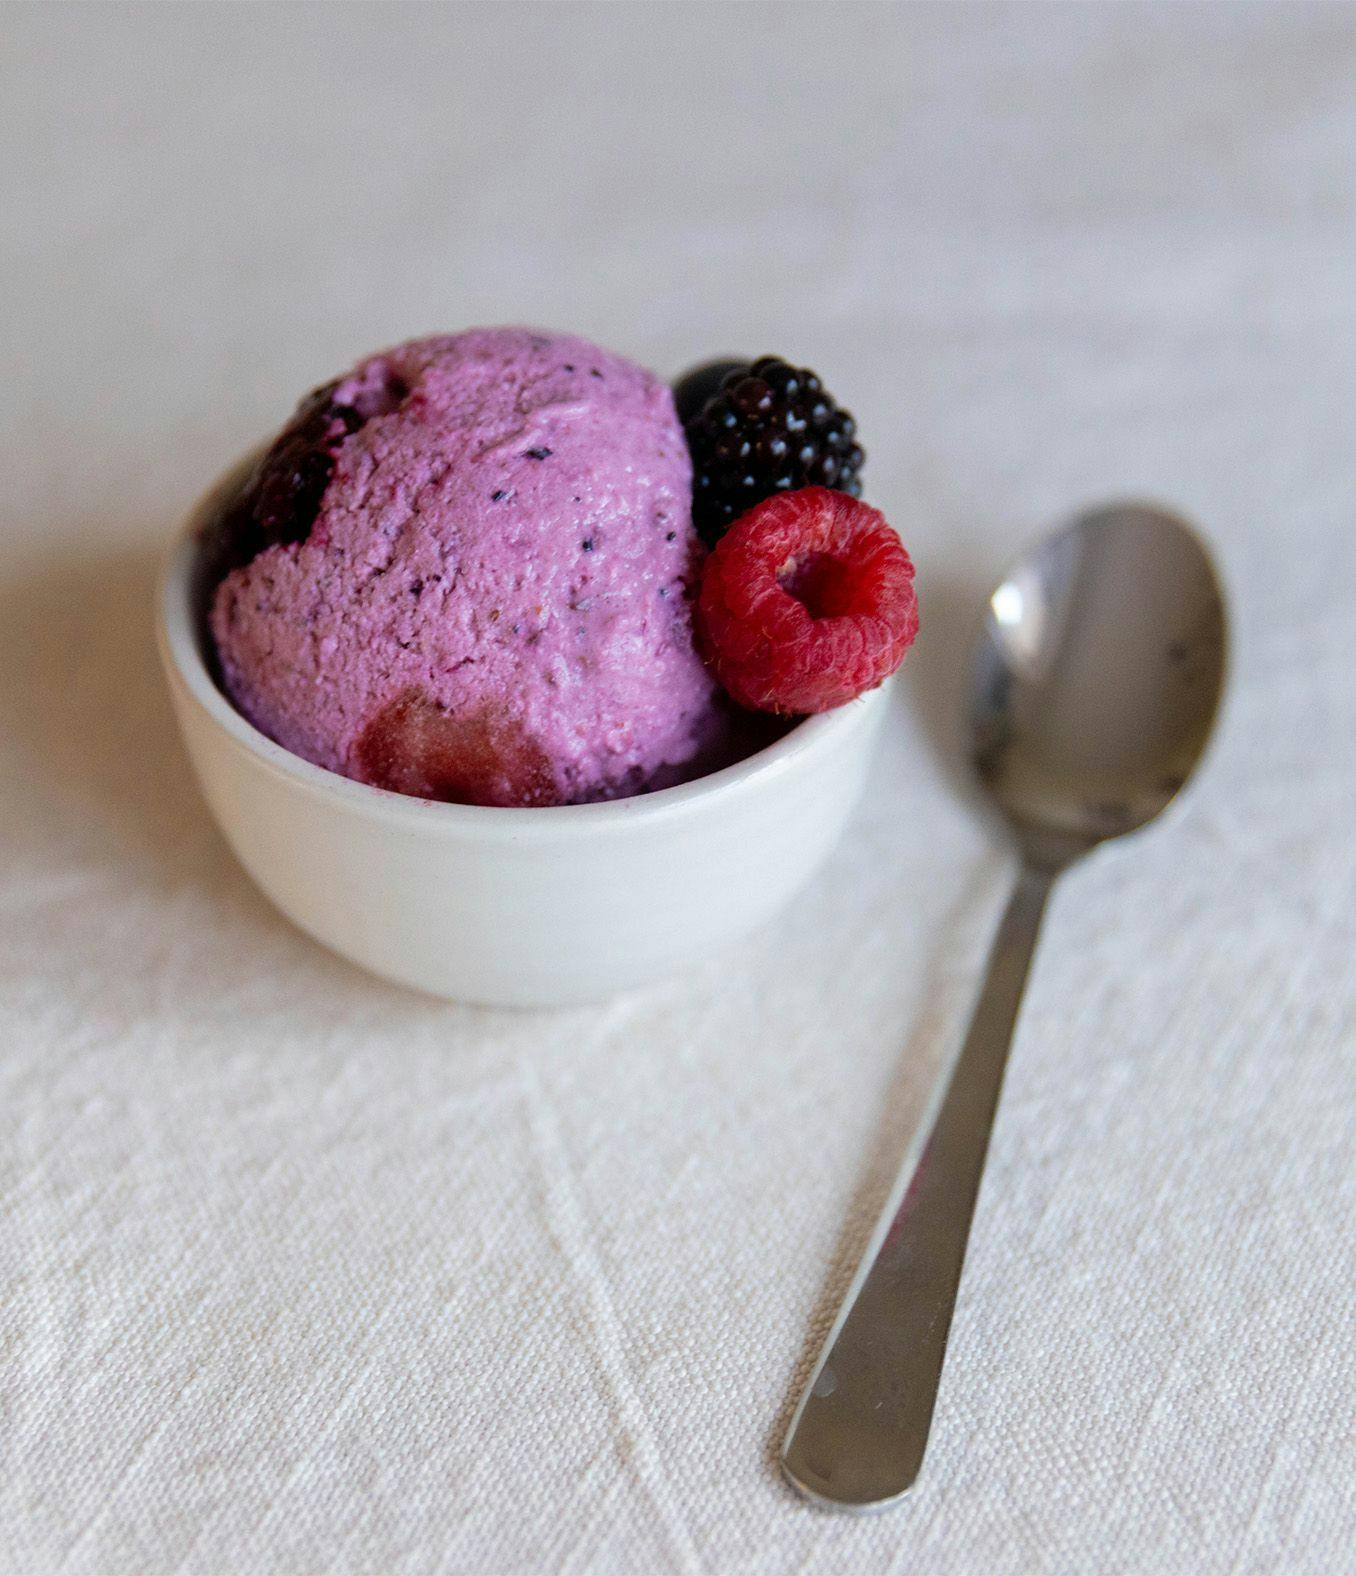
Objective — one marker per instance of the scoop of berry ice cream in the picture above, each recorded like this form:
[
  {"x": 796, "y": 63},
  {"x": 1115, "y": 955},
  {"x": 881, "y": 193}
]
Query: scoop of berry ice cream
[{"x": 464, "y": 572}]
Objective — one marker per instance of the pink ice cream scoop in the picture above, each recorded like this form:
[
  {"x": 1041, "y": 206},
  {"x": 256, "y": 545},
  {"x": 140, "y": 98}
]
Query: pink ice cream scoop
[{"x": 463, "y": 572}]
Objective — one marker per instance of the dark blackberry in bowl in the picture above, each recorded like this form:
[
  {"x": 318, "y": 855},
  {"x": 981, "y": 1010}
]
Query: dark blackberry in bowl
[
  {"x": 280, "y": 496},
  {"x": 767, "y": 427}
]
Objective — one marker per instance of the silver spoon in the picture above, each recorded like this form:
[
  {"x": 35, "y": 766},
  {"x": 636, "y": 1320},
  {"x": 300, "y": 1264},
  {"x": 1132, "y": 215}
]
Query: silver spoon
[{"x": 1095, "y": 688}]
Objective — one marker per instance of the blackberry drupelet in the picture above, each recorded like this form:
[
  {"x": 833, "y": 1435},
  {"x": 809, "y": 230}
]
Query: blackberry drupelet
[
  {"x": 768, "y": 428},
  {"x": 702, "y": 383}
]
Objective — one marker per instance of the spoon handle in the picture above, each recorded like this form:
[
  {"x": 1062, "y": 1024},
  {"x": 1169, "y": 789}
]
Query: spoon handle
[{"x": 857, "y": 1438}]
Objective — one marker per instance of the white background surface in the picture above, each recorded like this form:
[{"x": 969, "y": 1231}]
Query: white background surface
[{"x": 306, "y": 1274}]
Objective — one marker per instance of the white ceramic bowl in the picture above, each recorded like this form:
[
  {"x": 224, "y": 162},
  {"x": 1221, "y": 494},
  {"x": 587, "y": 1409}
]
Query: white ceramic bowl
[{"x": 541, "y": 907}]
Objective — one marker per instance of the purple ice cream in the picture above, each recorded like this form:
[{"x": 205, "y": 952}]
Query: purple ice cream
[{"x": 463, "y": 572}]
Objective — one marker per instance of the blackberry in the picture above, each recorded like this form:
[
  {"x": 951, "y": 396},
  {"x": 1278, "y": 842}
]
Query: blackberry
[
  {"x": 281, "y": 495},
  {"x": 768, "y": 427}
]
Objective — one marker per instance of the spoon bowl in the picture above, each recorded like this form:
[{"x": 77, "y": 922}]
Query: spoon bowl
[{"x": 1097, "y": 679}]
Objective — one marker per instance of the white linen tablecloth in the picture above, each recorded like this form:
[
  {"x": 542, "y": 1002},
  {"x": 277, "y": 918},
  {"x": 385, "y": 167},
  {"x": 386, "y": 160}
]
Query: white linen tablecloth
[{"x": 302, "y": 1273}]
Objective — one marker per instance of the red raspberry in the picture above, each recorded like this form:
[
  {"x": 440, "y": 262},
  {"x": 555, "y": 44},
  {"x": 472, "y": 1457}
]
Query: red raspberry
[{"x": 805, "y": 602}]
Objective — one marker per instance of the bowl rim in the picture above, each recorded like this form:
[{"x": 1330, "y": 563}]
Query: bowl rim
[{"x": 183, "y": 659}]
